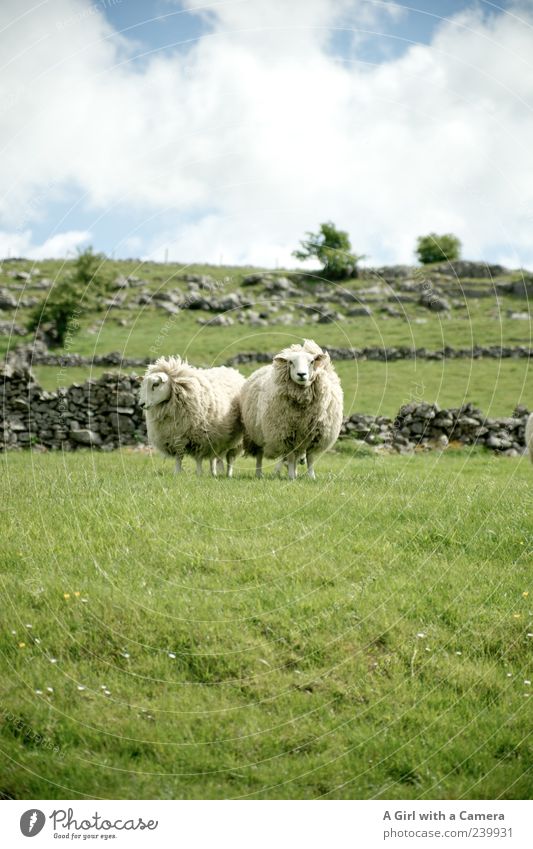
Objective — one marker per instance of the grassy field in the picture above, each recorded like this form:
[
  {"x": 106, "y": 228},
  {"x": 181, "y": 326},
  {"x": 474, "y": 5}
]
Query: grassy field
[
  {"x": 497, "y": 386},
  {"x": 367, "y": 635}
]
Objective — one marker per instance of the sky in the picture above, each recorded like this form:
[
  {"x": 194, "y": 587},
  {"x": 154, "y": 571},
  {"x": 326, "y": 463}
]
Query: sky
[{"x": 222, "y": 132}]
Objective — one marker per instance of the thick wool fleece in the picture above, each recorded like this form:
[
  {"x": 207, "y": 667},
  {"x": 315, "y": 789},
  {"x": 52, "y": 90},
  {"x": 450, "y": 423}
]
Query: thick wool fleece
[
  {"x": 201, "y": 417},
  {"x": 281, "y": 417}
]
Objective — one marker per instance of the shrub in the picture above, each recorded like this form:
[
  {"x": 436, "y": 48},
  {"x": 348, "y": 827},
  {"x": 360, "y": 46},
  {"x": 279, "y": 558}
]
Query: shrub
[
  {"x": 333, "y": 249},
  {"x": 435, "y": 248},
  {"x": 58, "y": 316}
]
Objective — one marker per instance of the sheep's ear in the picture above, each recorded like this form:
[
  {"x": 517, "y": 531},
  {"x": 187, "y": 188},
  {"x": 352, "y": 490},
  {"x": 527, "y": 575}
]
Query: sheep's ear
[
  {"x": 160, "y": 377},
  {"x": 279, "y": 359},
  {"x": 321, "y": 359}
]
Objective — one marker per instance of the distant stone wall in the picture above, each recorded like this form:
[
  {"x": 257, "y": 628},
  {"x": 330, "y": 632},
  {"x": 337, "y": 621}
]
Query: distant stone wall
[
  {"x": 38, "y": 354},
  {"x": 391, "y": 354},
  {"x": 105, "y": 414}
]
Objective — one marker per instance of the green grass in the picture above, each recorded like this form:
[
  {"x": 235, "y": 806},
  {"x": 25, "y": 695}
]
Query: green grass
[
  {"x": 483, "y": 321},
  {"x": 362, "y": 636},
  {"x": 497, "y": 386}
]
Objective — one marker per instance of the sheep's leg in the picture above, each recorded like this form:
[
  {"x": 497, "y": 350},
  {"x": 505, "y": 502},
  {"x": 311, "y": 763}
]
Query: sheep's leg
[
  {"x": 279, "y": 467},
  {"x": 177, "y": 468},
  {"x": 199, "y": 466},
  {"x": 213, "y": 466},
  {"x": 230, "y": 460},
  {"x": 291, "y": 458},
  {"x": 220, "y": 466},
  {"x": 310, "y": 466},
  {"x": 259, "y": 465}
]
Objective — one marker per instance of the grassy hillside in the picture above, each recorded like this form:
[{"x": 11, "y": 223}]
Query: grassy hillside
[
  {"x": 140, "y": 330},
  {"x": 367, "y": 635}
]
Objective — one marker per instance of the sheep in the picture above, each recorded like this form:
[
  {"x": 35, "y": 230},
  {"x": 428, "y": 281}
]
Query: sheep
[
  {"x": 292, "y": 408},
  {"x": 193, "y": 411},
  {"x": 529, "y": 436}
]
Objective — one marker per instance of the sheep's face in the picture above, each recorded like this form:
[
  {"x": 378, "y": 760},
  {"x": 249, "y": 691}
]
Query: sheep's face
[
  {"x": 155, "y": 389},
  {"x": 303, "y": 367}
]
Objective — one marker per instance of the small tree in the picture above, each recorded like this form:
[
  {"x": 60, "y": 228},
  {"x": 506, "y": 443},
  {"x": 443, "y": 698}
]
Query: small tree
[
  {"x": 58, "y": 316},
  {"x": 435, "y": 248},
  {"x": 333, "y": 249}
]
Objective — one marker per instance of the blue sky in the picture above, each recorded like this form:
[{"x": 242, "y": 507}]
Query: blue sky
[{"x": 225, "y": 131}]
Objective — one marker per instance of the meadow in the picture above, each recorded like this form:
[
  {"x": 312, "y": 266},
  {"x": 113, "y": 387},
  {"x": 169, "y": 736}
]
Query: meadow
[{"x": 367, "y": 635}]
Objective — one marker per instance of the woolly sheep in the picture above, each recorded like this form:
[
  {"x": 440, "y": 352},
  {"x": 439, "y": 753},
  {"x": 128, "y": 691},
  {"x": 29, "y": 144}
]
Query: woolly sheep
[
  {"x": 292, "y": 408},
  {"x": 193, "y": 411},
  {"x": 529, "y": 436}
]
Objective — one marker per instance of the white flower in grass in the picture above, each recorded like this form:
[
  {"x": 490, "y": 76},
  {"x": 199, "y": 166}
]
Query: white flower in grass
[
  {"x": 421, "y": 635},
  {"x": 458, "y": 652},
  {"x": 52, "y": 659},
  {"x": 39, "y": 692},
  {"x": 172, "y": 655},
  {"x": 125, "y": 654},
  {"x": 527, "y": 682},
  {"x": 37, "y": 640},
  {"x": 107, "y": 692},
  {"x": 50, "y": 689},
  {"x": 81, "y": 687}
]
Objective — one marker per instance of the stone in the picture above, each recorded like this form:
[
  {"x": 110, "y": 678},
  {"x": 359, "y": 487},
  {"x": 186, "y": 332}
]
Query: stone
[
  {"x": 85, "y": 437},
  {"x": 434, "y": 302}
]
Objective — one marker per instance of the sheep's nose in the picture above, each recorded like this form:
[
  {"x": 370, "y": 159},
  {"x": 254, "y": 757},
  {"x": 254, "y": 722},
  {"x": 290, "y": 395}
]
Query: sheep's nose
[{"x": 302, "y": 375}]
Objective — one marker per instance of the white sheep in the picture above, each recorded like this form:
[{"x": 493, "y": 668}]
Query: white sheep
[
  {"x": 529, "y": 436},
  {"x": 292, "y": 408},
  {"x": 193, "y": 411}
]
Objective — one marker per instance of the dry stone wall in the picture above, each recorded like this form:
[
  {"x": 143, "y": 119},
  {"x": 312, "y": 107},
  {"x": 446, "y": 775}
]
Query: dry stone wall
[{"x": 104, "y": 414}]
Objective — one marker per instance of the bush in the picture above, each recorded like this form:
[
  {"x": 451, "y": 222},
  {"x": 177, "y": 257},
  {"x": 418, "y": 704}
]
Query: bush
[
  {"x": 435, "y": 248},
  {"x": 333, "y": 249},
  {"x": 57, "y": 318}
]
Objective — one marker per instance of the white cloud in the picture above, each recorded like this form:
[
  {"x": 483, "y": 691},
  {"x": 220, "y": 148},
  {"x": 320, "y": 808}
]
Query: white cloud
[
  {"x": 258, "y": 133},
  {"x": 63, "y": 244}
]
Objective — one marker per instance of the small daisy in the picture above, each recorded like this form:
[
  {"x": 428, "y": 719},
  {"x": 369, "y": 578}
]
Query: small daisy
[
  {"x": 53, "y": 659},
  {"x": 39, "y": 692},
  {"x": 172, "y": 655},
  {"x": 125, "y": 654},
  {"x": 421, "y": 635},
  {"x": 50, "y": 689},
  {"x": 81, "y": 687}
]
